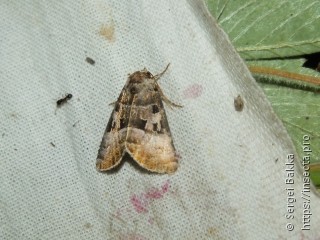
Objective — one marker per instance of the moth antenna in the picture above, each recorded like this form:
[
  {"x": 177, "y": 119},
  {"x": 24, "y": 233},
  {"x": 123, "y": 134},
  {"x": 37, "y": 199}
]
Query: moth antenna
[{"x": 158, "y": 76}]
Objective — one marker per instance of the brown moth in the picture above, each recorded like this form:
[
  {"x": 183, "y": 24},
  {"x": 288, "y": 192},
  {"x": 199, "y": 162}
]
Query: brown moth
[{"x": 138, "y": 125}]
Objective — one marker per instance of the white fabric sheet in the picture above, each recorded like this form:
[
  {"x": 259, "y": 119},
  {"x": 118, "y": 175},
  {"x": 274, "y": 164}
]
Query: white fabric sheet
[{"x": 231, "y": 180}]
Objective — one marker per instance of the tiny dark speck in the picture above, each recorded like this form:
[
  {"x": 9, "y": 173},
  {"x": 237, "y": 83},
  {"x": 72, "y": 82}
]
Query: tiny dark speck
[{"x": 90, "y": 61}]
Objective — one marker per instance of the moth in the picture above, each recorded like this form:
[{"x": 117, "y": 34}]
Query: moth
[{"x": 138, "y": 126}]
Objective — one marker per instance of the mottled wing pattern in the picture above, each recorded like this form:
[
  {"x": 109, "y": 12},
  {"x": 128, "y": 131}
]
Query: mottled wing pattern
[
  {"x": 138, "y": 125},
  {"x": 112, "y": 146},
  {"x": 149, "y": 139}
]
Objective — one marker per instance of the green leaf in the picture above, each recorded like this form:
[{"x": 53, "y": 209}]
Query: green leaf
[
  {"x": 305, "y": 78},
  {"x": 262, "y": 31},
  {"x": 300, "y": 113},
  {"x": 315, "y": 174},
  {"x": 270, "y": 29}
]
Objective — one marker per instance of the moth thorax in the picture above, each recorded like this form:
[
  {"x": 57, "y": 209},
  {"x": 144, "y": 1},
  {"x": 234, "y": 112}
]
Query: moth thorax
[{"x": 140, "y": 76}]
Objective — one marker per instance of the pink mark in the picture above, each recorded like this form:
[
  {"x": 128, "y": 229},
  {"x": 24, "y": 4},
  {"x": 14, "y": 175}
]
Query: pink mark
[
  {"x": 193, "y": 91},
  {"x": 151, "y": 220},
  {"x": 165, "y": 187},
  {"x": 141, "y": 202},
  {"x": 154, "y": 193}
]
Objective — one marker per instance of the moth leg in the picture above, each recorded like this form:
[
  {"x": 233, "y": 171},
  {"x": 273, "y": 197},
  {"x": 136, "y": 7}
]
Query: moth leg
[
  {"x": 167, "y": 100},
  {"x": 113, "y": 103},
  {"x": 163, "y": 97}
]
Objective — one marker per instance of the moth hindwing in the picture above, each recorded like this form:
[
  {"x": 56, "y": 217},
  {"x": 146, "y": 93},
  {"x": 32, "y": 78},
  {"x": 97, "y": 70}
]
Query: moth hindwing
[{"x": 138, "y": 125}]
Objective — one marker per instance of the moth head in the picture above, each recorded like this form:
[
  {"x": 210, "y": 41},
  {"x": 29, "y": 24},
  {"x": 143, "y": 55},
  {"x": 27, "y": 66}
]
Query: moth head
[{"x": 140, "y": 76}]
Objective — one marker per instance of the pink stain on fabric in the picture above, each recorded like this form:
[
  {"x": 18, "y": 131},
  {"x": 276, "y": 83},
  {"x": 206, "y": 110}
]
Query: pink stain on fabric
[
  {"x": 151, "y": 220},
  {"x": 193, "y": 91},
  {"x": 141, "y": 202}
]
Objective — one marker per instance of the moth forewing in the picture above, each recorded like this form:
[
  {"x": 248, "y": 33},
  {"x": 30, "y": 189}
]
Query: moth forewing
[
  {"x": 112, "y": 146},
  {"x": 139, "y": 126}
]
